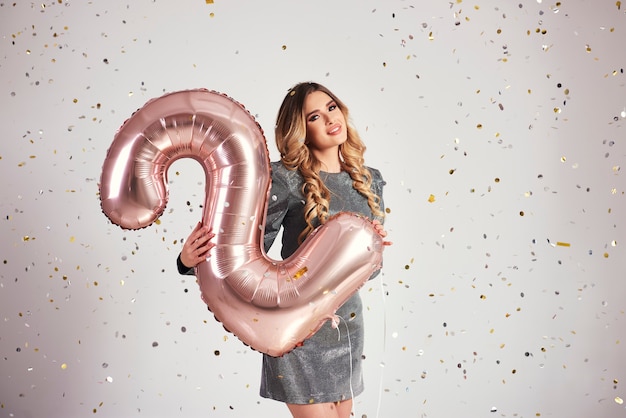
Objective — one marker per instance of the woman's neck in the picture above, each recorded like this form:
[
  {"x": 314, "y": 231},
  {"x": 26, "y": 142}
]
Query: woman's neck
[{"x": 329, "y": 161}]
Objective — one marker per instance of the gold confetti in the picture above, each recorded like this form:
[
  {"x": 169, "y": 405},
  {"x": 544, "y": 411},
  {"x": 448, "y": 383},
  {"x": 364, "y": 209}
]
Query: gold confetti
[
  {"x": 209, "y": 1},
  {"x": 300, "y": 273},
  {"x": 563, "y": 244},
  {"x": 619, "y": 400},
  {"x": 63, "y": 366},
  {"x": 431, "y": 198}
]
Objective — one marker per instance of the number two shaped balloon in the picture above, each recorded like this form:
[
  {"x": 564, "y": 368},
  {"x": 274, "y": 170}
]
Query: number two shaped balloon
[{"x": 270, "y": 305}]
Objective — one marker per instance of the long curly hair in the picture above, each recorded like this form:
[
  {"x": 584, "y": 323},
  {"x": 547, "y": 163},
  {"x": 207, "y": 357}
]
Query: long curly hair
[{"x": 290, "y": 132}]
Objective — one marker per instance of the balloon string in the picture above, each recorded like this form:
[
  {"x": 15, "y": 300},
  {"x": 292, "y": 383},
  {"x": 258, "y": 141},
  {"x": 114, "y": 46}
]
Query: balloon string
[
  {"x": 382, "y": 369},
  {"x": 353, "y": 412}
]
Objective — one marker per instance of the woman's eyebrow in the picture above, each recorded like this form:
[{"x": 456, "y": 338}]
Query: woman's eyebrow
[{"x": 317, "y": 110}]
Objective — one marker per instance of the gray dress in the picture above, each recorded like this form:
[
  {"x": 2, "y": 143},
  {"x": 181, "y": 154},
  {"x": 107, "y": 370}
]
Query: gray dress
[{"x": 327, "y": 366}]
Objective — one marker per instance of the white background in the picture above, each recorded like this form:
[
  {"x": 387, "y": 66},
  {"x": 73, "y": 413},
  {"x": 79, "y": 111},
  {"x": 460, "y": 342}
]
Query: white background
[{"x": 502, "y": 296}]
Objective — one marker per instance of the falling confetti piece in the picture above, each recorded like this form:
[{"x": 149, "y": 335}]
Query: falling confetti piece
[
  {"x": 63, "y": 366},
  {"x": 300, "y": 273},
  {"x": 563, "y": 244},
  {"x": 431, "y": 198},
  {"x": 209, "y": 1},
  {"x": 619, "y": 400}
]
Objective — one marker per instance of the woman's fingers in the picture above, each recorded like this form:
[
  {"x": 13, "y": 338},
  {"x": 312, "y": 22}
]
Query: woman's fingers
[
  {"x": 197, "y": 246},
  {"x": 197, "y": 232},
  {"x": 380, "y": 229},
  {"x": 203, "y": 244}
]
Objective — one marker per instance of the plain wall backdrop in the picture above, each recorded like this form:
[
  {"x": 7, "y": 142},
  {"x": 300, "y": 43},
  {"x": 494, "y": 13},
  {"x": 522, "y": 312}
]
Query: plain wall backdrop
[{"x": 499, "y": 129}]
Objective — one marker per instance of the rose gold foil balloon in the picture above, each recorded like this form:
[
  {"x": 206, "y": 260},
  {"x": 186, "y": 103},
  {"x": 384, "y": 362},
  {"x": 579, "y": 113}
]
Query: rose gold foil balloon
[{"x": 268, "y": 304}]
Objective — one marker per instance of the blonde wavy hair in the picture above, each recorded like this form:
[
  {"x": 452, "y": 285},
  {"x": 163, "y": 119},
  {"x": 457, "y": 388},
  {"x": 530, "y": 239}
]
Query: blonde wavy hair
[{"x": 291, "y": 141}]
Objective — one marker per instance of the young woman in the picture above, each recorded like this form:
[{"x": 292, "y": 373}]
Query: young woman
[{"x": 321, "y": 172}]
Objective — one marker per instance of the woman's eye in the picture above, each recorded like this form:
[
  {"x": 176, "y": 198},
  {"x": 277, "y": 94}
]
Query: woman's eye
[
  {"x": 332, "y": 107},
  {"x": 313, "y": 118}
]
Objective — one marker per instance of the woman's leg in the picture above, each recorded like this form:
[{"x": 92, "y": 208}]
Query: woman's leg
[
  {"x": 322, "y": 410},
  {"x": 344, "y": 409}
]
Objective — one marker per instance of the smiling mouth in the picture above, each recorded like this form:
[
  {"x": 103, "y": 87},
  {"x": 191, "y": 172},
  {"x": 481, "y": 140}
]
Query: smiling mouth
[{"x": 334, "y": 130}]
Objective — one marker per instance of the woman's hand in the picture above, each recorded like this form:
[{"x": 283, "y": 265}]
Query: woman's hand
[
  {"x": 380, "y": 229},
  {"x": 197, "y": 247}
]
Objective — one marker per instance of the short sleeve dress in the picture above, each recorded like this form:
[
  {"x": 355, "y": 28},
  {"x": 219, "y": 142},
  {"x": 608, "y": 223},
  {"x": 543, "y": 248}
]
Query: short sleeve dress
[{"x": 327, "y": 366}]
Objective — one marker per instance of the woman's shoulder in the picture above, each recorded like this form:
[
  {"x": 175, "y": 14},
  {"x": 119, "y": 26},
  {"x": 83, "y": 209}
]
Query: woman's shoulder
[
  {"x": 279, "y": 170},
  {"x": 281, "y": 174},
  {"x": 377, "y": 176}
]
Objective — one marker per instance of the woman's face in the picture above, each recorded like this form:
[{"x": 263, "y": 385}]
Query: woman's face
[{"x": 325, "y": 124}]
